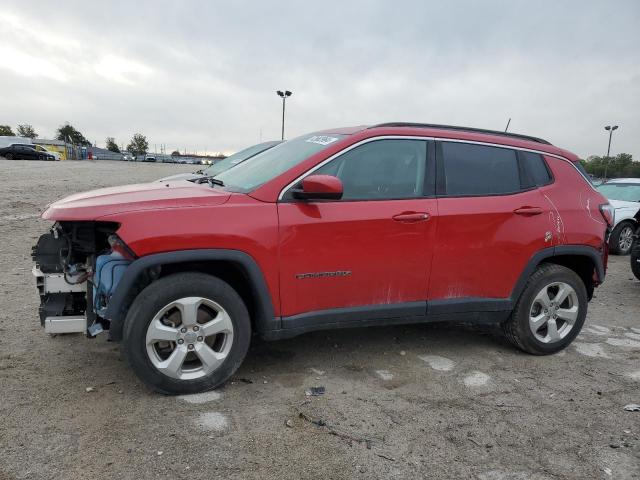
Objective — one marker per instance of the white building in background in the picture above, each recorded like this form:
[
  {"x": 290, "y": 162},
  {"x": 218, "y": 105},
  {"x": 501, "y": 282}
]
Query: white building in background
[{"x": 5, "y": 141}]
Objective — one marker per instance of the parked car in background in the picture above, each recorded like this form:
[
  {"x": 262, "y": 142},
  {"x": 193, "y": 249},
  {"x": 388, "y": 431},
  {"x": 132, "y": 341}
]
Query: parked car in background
[
  {"x": 40, "y": 148},
  {"x": 351, "y": 227},
  {"x": 624, "y": 197},
  {"x": 24, "y": 152},
  {"x": 127, "y": 157},
  {"x": 224, "y": 164}
]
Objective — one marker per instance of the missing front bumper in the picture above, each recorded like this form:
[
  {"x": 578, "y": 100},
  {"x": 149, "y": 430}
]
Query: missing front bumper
[
  {"x": 62, "y": 303},
  {"x": 66, "y": 324}
]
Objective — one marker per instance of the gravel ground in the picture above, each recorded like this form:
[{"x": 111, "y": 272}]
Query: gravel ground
[{"x": 423, "y": 401}]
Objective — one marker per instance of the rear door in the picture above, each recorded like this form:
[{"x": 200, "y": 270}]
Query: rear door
[
  {"x": 371, "y": 248},
  {"x": 492, "y": 220},
  {"x": 27, "y": 153}
]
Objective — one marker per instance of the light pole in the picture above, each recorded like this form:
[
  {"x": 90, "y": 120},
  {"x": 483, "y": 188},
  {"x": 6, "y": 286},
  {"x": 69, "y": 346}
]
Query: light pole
[
  {"x": 284, "y": 96},
  {"x": 610, "y": 129}
]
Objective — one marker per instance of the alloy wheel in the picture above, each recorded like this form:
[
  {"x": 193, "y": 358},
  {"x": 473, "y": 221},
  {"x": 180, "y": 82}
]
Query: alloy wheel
[
  {"x": 553, "y": 312},
  {"x": 189, "y": 338},
  {"x": 625, "y": 239}
]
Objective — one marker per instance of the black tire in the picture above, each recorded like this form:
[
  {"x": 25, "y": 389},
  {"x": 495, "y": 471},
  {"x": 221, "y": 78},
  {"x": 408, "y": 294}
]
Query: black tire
[
  {"x": 614, "y": 238},
  {"x": 635, "y": 255},
  {"x": 9, "y": 156},
  {"x": 517, "y": 329},
  {"x": 159, "y": 294}
]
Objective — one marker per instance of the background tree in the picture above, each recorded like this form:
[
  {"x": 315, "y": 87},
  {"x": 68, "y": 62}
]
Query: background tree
[
  {"x": 68, "y": 133},
  {"x": 138, "y": 144},
  {"x": 6, "y": 130},
  {"x": 112, "y": 145},
  {"x": 622, "y": 165},
  {"x": 27, "y": 131},
  {"x": 175, "y": 153}
]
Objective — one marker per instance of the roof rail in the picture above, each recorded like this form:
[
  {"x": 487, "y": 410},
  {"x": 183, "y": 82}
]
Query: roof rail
[{"x": 461, "y": 129}]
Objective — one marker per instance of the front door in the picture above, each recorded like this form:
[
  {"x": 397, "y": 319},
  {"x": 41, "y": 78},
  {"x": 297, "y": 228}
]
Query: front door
[{"x": 373, "y": 247}]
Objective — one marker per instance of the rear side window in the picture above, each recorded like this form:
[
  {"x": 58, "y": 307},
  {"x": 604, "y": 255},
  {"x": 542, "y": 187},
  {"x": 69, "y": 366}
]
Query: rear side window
[
  {"x": 479, "y": 170},
  {"x": 536, "y": 168}
]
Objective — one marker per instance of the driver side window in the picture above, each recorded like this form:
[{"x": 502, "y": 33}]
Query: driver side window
[{"x": 381, "y": 170}]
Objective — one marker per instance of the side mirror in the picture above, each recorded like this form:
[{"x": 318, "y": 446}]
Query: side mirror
[{"x": 319, "y": 187}]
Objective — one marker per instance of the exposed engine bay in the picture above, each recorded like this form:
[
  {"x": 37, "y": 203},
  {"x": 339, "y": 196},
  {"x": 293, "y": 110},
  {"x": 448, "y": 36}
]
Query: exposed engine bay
[{"x": 77, "y": 267}]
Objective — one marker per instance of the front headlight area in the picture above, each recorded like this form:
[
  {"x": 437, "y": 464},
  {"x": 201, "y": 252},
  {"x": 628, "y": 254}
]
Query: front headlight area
[{"x": 77, "y": 266}]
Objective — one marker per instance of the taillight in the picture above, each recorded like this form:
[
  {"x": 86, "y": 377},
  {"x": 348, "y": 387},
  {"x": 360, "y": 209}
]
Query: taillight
[
  {"x": 118, "y": 246},
  {"x": 607, "y": 212}
]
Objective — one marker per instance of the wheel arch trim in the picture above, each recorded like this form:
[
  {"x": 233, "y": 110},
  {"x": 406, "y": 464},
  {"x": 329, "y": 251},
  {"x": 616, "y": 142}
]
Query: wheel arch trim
[
  {"x": 116, "y": 312},
  {"x": 591, "y": 253}
]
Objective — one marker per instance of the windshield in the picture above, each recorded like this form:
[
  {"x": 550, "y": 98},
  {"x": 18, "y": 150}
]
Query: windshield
[
  {"x": 269, "y": 164},
  {"x": 237, "y": 157},
  {"x": 627, "y": 192}
]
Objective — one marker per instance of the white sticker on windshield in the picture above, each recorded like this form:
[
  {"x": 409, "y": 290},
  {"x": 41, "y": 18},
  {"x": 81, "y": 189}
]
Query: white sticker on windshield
[{"x": 321, "y": 139}]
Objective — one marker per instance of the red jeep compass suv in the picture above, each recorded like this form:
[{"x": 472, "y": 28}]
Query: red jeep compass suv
[{"x": 390, "y": 224}]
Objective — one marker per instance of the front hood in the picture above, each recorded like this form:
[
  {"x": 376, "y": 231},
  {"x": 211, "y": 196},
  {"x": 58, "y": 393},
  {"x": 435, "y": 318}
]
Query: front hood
[
  {"x": 146, "y": 196},
  {"x": 624, "y": 204},
  {"x": 181, "y": 176}
]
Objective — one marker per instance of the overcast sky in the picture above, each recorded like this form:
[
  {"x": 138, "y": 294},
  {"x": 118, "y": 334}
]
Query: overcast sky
[{"x": 203, "y": 75}]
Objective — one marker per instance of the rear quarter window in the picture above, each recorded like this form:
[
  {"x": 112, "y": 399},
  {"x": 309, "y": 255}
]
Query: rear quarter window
[
  {"x": 536, "y": 168},
  {"x": 583, "y": 172}
]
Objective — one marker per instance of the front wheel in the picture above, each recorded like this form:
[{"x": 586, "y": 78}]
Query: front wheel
[
  {"x": 550, "y": 311},
  {"x": 186, "y": 333},
  {"x": 9, "y": 156}
]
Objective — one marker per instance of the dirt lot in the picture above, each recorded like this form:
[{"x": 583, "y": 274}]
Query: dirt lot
[{"x": 425, "y": 401}]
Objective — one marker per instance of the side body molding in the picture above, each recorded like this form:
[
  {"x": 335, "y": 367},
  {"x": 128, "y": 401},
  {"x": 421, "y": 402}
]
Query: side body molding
[
  {"x": 271, "y": 327},
  {"x": 469, "y": 309},
  {"x": 264, "y": 312}
]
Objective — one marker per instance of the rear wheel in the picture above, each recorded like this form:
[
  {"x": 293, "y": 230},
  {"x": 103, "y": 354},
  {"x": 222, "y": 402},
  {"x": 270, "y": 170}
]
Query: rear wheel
[
  {"x": 621, "y": 238},
  {"x": 186, "y": 333},
  {"x": 9, "y": 156},
  {"x": 550, "y": 312}
]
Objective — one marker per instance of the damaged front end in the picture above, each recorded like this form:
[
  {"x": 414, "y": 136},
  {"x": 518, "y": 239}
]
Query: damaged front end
[{"x": 78, "y": 265}]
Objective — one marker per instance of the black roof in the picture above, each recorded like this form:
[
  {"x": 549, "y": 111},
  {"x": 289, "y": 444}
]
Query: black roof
[{"x": 462, "y": 129}]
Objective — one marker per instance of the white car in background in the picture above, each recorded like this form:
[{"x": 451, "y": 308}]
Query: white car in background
[{"x": 624, "y": 197}]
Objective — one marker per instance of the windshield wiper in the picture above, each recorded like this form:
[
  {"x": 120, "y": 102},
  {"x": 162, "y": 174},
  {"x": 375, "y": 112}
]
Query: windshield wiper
[
  {"x": 209, "y": 180},
  {"x": 215, "y": 181}
]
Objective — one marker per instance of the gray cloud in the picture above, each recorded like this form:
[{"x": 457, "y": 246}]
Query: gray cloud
[{"x": 204, "y": 74}]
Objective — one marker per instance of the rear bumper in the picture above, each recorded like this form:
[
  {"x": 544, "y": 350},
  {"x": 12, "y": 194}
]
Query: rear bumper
[{"x": 605, "y": 253}]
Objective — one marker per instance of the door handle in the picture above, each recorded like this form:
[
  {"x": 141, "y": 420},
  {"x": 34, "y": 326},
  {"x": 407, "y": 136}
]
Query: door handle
[
  {"x": 411, "y": 217},
  {"x": 528, "y": 211}
]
